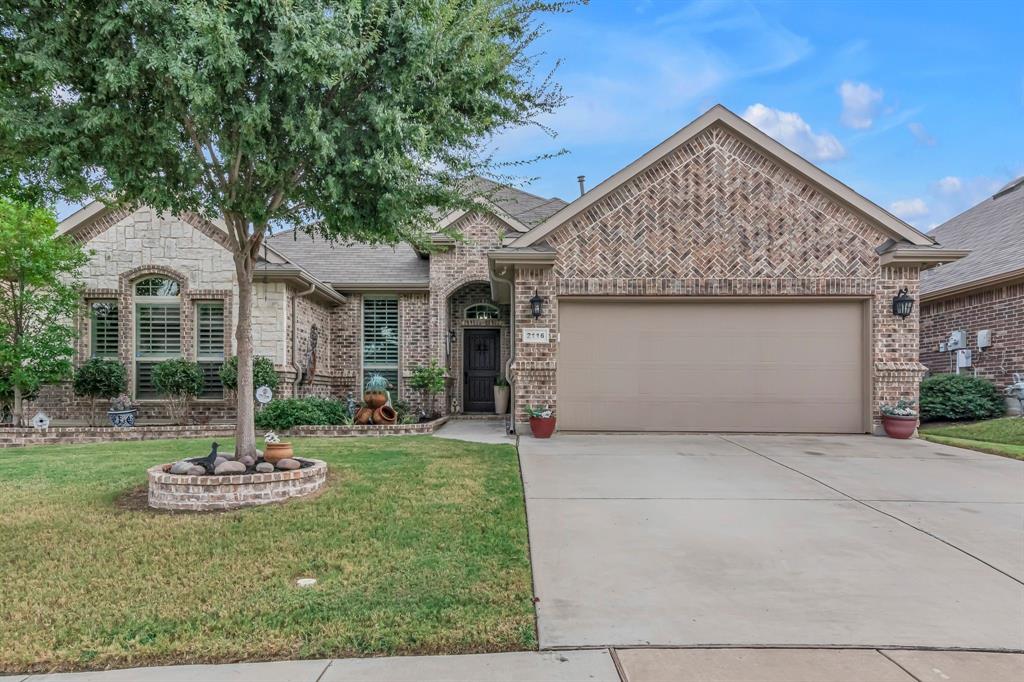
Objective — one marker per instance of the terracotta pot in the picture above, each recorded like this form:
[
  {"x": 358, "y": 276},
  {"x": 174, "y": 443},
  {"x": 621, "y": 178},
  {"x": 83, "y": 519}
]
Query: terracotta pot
[
  {"x": 899, "y": 427},
  {"x": 542, "y": 428},
  {"x": 275, "y": 452},
  {"x": 385, "y": 415},
  {"x": 375, "y": 400},
  {"x": 363, "y": 415}
]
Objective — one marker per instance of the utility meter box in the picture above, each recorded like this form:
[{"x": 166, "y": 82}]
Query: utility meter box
[
  {"x": 963, "y": 358},
  {"x": 957, "y": 340},
  {"x": 984, "y": 338}
]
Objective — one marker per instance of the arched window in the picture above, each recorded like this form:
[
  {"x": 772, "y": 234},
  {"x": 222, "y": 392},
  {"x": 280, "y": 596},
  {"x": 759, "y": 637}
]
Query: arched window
[
  {"x": 157, "y": 329},
  {"x": 482, "y": 311}
]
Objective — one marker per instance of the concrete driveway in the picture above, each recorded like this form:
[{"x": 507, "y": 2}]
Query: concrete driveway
[{"x": 774, "y": 540}]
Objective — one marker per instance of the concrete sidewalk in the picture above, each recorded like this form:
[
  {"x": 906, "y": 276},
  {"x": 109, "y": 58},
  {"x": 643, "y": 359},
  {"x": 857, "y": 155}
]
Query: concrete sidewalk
[{"x": 604, "y": 665}]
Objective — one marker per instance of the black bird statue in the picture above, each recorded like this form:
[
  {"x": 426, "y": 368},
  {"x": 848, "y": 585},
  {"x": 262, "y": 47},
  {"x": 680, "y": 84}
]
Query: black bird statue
[{"x": 209, "y": 462}]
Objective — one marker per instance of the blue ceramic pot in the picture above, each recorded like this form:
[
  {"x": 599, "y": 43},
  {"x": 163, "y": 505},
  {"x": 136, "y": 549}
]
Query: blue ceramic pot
[{"x": 122, "y": 418}]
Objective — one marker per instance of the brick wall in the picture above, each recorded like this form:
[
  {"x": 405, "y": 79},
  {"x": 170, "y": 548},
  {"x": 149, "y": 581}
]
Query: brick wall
[
  {"x": 716, "y": 217},
  {"x": 999, "y": 309}
]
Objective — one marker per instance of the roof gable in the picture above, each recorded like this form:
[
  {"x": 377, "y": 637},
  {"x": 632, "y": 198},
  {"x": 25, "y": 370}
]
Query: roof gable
[{"x": 719, "y": 115}]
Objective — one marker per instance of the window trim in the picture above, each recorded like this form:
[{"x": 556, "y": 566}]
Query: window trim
[
  {"x": 397, "y": 367},
  {"x": 138, "y": 301}
]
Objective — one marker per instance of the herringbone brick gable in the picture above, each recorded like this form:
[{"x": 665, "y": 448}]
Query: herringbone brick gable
[{"x": 716, "y": 208}]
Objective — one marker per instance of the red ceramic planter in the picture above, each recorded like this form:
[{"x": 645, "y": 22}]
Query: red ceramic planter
[
  {"x": 899, "y": 427},
  {"x": 542, "y": 428}
]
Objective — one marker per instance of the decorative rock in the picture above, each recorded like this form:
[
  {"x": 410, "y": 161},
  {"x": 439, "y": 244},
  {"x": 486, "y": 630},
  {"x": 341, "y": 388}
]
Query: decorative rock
[
  {"x": 220, "y": 460},
  {"x": 247, "y": 460},
  {"x": 265, "y": 468},
  {"x": 196, "y": 470},
  {"x": 167, "y": 468},
  {"x": 228, "y": 468},
  {"x": 288, "y": 464},
  {"x": 181, "y": 468}
]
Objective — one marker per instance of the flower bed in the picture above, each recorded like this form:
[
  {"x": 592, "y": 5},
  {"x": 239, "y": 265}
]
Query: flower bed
[
  {"x": 21, "y": 436},
  {"x": 213, "y": 493}
]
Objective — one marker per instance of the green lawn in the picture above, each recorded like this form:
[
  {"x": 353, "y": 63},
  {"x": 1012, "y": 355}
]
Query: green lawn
[
  {"x": 419, "y": 545},
  {"x": 996, "y": 436}
]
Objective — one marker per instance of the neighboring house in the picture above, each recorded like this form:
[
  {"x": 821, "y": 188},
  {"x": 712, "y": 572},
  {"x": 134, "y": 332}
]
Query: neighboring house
[
  {"x": 718, "y": 283},
  {"x": 982, "y": 292}
]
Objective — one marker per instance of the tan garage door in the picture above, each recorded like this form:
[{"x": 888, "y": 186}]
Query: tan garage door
[{"x": 793, "y": 366}]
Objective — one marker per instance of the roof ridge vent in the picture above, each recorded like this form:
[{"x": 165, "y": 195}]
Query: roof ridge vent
[{"x": 1009, "y": 187}]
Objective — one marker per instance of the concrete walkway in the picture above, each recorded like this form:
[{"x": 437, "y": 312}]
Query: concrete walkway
[
  {"x": 705, "y": 540},
  {"x": 476, "y": 430},
  {"x": 604, "y": 665}
]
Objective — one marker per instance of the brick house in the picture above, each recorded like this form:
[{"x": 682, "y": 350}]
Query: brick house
[
  {"x": 719, "y": 282},
  {"x": 983, "y": 292}
]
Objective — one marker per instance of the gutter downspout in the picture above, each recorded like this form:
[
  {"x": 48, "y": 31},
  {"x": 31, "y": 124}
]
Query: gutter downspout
[
  {"x": 295, "y": 339},
  {"x": 511, "y": 351}
]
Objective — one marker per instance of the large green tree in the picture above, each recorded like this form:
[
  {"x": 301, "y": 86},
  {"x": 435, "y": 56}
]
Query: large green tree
[
  {"x": 350, "y": 119},
  {"x": 39, "y": 291}
]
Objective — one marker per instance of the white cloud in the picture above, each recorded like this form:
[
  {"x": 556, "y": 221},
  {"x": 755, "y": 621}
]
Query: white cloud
[
  {"x": 909, "y": 208},
  {"x": 950, "y": 184},
  {"x": 860, "y": 104},
  {"x": 794, "y": 132},
  {"x": 921, "y": 134}
]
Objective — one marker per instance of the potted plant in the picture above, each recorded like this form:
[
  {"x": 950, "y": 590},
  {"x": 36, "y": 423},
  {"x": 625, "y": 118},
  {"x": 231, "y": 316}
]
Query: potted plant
[
  {"x": 501, "y": 391},
  {"x": 376, "y": 392},
  {"x": 274, "y": 450},
  {"x": 430, "y": 380},
  {"x": 99, "y": 379},
  {"x": 123, "y": 411},
  {"x": 899, "y": 420},
  {"x": 542, "y": 422}
]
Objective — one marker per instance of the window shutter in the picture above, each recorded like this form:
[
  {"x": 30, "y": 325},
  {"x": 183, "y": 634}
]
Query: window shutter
[
  {"x": 104, "y": 329},
  {"x": 380, "y": 338},
  {"x": 159, "y": 330},
  {"x": 210, "y": 330}
]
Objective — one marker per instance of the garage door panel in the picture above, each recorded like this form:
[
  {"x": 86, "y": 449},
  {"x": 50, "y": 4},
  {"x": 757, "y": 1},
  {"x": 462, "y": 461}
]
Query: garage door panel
[{"x": 711, "y": 366}]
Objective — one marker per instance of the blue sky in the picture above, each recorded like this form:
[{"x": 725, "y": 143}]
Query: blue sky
[{"x": 918, "y": 106}]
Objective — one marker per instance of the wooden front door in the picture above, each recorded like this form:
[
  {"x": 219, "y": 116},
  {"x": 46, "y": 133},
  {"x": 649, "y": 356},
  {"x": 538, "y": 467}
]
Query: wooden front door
[{"x": 481, "y": 366}]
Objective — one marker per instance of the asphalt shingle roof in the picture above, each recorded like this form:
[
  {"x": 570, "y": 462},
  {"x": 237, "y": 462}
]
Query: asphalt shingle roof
[
  {"x": 340, "y": 264},
  {"x": 993, "y": 231}
]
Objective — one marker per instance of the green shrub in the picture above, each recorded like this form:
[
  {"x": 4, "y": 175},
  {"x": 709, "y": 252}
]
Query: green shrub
[
  {"x": 430, "y": 380},
  {"x": 263, "y": 373},
  {"x": 97, "y": 379},
  {"x": 179, "y": 381},
  {"x": 958, "y": 397},
  {"x": 281, "y": 415}
]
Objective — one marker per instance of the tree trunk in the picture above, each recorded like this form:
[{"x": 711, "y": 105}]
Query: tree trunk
[
  {"x": 245, "y": 429},
  {"x": 17, "y": 418}
]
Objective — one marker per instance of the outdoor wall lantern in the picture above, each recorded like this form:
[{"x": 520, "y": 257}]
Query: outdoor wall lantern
[
  {"x": 536, "y": 305},
  {"x": 902, "y": 304}
]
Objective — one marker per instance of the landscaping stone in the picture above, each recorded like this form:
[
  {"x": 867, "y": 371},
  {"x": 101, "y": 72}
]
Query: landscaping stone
[
  {"x": 181, "y": 468},
  {"x": 288, "y": 464},
  {"x": 220, "y": 460},
  {"x": 247, "y": 460},
  {"x": 228, "y": 468},
  {"x": 264, "y": 467},
  {"x": 196, "y": 470}
]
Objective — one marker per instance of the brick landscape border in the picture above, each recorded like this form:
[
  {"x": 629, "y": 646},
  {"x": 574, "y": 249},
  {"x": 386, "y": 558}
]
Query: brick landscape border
[
  {"x": 66, "y": 435},
  {"x": 218, "y": 493}
]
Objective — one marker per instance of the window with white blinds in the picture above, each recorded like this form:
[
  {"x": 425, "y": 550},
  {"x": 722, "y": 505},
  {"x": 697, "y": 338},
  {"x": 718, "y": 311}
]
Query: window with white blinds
[
  {"x": 380, "y": 338},
  {"x": 157, "y": 329},
  {"x": 210, "y": 346},
  {"x": 103, "y": 328}
]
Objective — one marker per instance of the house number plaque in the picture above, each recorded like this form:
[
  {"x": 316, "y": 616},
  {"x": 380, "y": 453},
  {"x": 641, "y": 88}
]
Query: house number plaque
[{"x": 536, "y": 335}]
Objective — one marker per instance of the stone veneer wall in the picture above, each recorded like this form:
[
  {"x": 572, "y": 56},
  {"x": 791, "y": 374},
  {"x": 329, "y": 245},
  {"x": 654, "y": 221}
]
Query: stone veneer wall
[
  {"x": 999, "y": 309},
  {"x": 716, "y": 217}
]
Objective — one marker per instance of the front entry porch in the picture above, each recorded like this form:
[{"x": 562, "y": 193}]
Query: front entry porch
[{"x": 478, "y": 348}]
